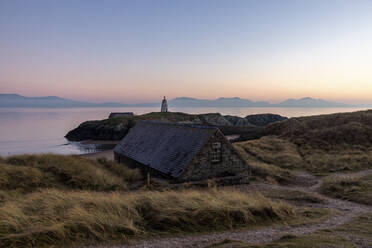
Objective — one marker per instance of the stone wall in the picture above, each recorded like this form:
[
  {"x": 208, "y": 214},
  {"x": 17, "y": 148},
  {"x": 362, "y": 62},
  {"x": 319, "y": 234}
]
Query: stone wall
[{"x": 202, "y": 167}]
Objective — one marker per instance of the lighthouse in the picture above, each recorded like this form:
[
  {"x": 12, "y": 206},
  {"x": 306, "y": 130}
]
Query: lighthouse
[{"x": 164, "y": 105}]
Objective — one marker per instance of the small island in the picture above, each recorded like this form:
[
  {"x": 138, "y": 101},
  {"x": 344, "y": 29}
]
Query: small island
[{"x": 116, "y": 128}]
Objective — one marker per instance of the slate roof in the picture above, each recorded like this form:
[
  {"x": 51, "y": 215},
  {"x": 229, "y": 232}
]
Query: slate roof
[{"x": 166, "y": 147}]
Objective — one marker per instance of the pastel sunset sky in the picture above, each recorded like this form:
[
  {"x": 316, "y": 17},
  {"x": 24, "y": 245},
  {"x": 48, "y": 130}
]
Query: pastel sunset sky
[{"x": 136, "y": 51}]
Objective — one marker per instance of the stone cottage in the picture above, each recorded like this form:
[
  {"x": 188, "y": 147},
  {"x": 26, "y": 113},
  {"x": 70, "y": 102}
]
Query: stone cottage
[{"x": 179, "y": 151}]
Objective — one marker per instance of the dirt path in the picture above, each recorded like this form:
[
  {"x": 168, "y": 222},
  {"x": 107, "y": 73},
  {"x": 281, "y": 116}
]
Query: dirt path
[{"x": 267, "y": 234}]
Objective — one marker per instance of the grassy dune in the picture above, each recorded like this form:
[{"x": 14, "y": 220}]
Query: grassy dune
[
  {"x": 279, "y": 152},
  {"x": 54, "y": 217},
  {"x": 64, "y": 200},
  {"x": 320, "y": 144},
  {"x": 30, "y": 172},
  {"x": 353, "y": 189},
  {"x": 262, "y": 169}
]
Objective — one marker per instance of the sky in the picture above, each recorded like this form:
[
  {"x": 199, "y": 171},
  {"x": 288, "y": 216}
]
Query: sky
[{"x": 139, "y": 51}]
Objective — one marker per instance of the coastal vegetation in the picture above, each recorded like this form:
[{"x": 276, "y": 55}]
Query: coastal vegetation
[
  {"x": 55, "y": 217},
  {"x": 318, "y": 149},
  {"x": 278, "y": 152},
  {"x": 357, "y": 189},
  {"x": 62, "y": 200},
  {"x": 262, "y": 170},
  {"x": 32, "y": 172}
]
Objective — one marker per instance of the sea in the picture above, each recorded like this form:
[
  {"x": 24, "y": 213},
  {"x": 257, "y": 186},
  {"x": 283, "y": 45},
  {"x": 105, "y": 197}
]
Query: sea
[{"x": 42, "y": 130}]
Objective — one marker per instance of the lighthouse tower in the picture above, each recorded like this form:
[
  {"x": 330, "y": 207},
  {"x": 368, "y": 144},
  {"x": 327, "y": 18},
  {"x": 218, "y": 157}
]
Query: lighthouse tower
[{"x": 164, "y": 105}]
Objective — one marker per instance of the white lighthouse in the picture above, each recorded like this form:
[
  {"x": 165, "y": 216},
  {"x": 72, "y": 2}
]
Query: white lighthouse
[{"x": 164, "y": 105}]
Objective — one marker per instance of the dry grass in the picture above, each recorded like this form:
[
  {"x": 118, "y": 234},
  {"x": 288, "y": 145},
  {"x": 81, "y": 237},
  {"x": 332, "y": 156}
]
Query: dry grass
[
  {"x": 30, "y": 172},
  {"x": 361, "y": 226},
  {"x": 353, "y": 189},
  {"x": 324, "y": 131},
  {"x": 261, "y": 169},
  {"x": 276, "y": 151},
  {"x": 293, "y": 196},
  {"x": 320, "y": 144},
  {"x": 341, "y": 159},
  {"x": 282, "y": 153},
  {"x": 129, "y": 175},
  {"x": 40, "y": 205},
  {"x": 53, "y": 217}
]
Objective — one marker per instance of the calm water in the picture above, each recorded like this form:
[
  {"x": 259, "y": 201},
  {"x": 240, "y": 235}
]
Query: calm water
[{"x": 24, "y": 130}]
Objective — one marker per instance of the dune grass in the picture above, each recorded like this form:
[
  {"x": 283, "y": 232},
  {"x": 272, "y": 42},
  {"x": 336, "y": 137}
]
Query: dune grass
[
  {"x": 292, "y": 196},
  {"x": 54, "y": 200},
  {"x": 261, "y": 169},
  {"x": 54, "y": 217},
  {"x": 278, "y": 152},
  {"x": 275, "y": 151},
  {"x": 360, "y": 226},
  {"x": 30, "y": 172},
  {"x": 357, "y": 189},
  {"x": 339, "y": 142}
]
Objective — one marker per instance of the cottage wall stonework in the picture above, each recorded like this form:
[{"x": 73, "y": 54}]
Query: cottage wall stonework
[{"x": 202, "y": 167}]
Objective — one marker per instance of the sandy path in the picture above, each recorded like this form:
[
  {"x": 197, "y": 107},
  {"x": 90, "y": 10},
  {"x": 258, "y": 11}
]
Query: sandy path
[{"x": 349, "y": 211}]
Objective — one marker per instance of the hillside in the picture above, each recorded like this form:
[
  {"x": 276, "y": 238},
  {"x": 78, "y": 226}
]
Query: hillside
[
  {"x": 117, "y": 128},
  {"x": 319, "y": 144},
  {"x": 326, "y": 130}
]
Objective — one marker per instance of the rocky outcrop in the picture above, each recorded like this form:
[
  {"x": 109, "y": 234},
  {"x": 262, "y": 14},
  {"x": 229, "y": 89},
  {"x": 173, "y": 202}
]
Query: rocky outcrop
[
  {"x": 263, "y": 119},
  {"x": 100, "y": 130},
  {"x": 117, "y": 128}
]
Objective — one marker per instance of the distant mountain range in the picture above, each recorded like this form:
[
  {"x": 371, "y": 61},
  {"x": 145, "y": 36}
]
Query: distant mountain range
[
  {"x": 239, "y": 102},
  {"x": 15, "y": 100}
]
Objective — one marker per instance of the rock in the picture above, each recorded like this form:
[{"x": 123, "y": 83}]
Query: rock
[
  {"x": 264, "y": 119},
  {"x": 117, "y": 128}
]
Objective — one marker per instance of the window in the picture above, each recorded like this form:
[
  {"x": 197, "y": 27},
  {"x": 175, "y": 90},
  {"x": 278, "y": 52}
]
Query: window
[{"x": 216, "y": 152}]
